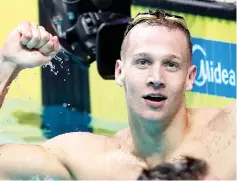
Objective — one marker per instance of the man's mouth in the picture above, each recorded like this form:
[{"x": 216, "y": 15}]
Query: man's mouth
[
  {"x": 155, "y": 100},
  {"x": 155, "y": 97}
]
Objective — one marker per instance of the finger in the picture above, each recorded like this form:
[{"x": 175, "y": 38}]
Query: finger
[
  {"x": 25, "y": 31},
  {"x": 35, "y": 36},
  {"x": 42, "y": 28},
  {"x": 56, "y": 47},
  {"x": 45, "y": 37},
  {"x": 48, "y": 47}
]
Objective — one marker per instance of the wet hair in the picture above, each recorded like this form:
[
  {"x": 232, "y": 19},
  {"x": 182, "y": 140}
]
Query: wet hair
[
  {"x": 161, "y": 21},
  {"x": 189, "y": 169}
]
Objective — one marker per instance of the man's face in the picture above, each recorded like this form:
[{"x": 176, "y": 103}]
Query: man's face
[{"x": 156, "y": 71}]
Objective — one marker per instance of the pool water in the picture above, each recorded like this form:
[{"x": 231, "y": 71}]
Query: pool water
[{"x": 26, "y": 122}]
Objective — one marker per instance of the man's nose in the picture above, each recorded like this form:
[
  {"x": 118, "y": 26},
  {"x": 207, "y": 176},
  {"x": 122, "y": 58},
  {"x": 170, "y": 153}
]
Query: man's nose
[{"x": 156, "y": 78}]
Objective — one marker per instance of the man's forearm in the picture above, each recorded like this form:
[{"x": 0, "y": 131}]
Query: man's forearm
[
  {"x": 30, "y": 162},
  {"x": 8, "y": 72}
]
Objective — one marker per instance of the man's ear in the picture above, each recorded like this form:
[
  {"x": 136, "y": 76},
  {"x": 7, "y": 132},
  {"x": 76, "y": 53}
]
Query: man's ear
[
  {"x": 119, "y": 74},
  {"x": 191, "y": 77}
]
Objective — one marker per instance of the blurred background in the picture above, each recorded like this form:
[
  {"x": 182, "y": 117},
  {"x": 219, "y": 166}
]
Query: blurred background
[{"x": 78, "y": 93}]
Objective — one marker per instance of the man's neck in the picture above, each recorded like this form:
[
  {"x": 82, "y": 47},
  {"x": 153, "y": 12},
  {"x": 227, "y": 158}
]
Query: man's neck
[{"x": 153, "y": 140}]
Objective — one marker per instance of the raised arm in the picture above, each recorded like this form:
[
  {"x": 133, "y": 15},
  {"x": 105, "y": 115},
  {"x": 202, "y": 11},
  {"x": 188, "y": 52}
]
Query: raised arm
[
  {"x": 8, "y": 72},
  {"x": 27, "y": 46}
]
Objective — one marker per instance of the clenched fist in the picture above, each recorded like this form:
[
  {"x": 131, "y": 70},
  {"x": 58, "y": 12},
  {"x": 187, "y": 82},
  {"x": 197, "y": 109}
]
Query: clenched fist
[{"x": 30, "y": 45}]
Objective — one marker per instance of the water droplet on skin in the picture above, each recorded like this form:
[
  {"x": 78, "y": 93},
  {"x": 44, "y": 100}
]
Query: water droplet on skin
[
  {"x": 138, "y": 105},
  {"x": 175, "y": 90},
  {"x": 203, "y": 141},
  {"x": 216, "y": 142}
]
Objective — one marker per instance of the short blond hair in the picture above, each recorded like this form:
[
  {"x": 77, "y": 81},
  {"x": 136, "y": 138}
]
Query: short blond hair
[{"x": 161, "y": 21}]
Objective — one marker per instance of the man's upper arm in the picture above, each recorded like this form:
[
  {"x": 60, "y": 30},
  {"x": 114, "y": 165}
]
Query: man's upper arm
[
  {"x": 214, "y": 142},
  {"x": 223, "y": 145},
  {"x": 30, "y": 161},
  {"x": 219, "y": 140},
  {"x": 225, "y": 120}
]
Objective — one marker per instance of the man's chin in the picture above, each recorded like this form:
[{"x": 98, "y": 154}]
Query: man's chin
[{"x": 153, "y": 115}]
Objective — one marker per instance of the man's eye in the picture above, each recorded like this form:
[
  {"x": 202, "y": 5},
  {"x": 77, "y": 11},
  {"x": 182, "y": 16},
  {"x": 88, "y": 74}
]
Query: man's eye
[
  {"x": 142, "y": 63},
  {"x": 171, "y": 66}
]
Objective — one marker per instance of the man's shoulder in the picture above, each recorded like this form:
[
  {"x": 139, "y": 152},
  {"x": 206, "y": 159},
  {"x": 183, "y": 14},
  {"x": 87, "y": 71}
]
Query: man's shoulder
[
  {"x": 124, "y": 137},
  {"x": 123, "y": 132},
  {"x": 74, "y": 137},
  {"x": 82, "y": 141},
  {"x": 204, "y": 115}
]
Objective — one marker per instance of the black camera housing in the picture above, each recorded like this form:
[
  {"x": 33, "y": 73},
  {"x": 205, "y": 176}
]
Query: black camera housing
[{"x": 94, "y": 34}]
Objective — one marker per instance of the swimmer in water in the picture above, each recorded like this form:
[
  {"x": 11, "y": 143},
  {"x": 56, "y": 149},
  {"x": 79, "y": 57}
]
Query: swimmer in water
[{"x": 155, "y": 71}]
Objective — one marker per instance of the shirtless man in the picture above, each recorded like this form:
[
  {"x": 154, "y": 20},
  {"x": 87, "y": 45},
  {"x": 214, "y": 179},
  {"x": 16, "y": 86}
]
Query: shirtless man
[{"x": 155, "y": 70}]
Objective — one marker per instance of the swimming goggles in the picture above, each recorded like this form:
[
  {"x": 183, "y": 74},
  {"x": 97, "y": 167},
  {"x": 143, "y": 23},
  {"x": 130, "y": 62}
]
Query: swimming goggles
[{"x": 156, "y": 15}]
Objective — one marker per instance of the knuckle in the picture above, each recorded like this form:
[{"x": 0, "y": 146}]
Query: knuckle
[
  {"x": 28, "y": 35},
  {"x": 42, "y": 28},
  {"x": 25, "y": 22},
  {"x": 50, "y": 36},
  {"x": 33, "y": 24},
  {"x": 50, "y": 45},
  {"x": 36, "y": 38},
  {"x": 45, "y": 37}
]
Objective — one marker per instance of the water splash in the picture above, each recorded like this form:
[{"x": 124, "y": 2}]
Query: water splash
[
  {"x": 52, "y": 67},
  {"x": 19, "y": 88}
]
